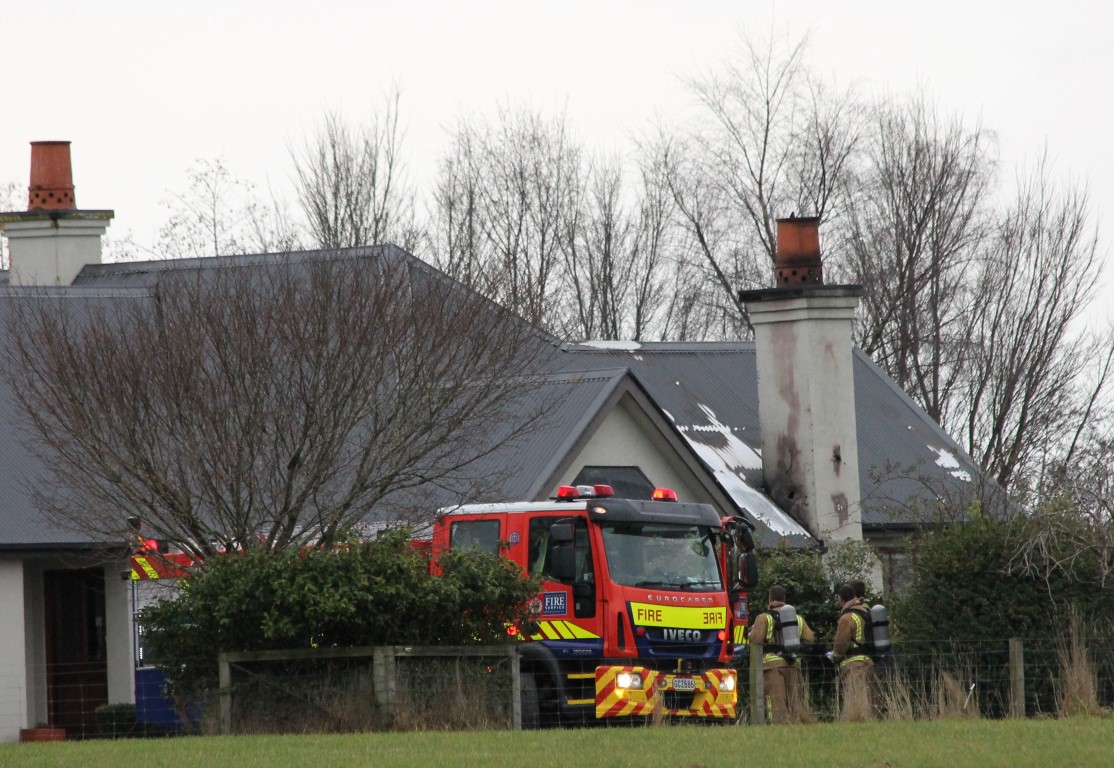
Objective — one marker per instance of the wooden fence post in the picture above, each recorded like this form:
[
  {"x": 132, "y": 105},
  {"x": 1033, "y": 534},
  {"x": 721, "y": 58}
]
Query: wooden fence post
[
  {"x": 516, "y": 689},
  {"x": 757, "y": 686},
  {"x": 1017, "y": 678},
  {"x": 225, "y": 695},
  {"x": 383, "y": 679}
]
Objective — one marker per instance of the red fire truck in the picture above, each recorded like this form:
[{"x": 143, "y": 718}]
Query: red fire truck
[{"x": 642, "y": 606}]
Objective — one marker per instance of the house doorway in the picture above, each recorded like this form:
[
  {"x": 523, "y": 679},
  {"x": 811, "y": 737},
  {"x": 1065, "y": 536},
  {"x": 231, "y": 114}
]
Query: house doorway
[{"x": 76, "y": 658}]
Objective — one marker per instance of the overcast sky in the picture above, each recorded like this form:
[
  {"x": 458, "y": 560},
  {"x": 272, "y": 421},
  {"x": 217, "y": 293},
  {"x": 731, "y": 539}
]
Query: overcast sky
[{"x": 144, "y": 88}]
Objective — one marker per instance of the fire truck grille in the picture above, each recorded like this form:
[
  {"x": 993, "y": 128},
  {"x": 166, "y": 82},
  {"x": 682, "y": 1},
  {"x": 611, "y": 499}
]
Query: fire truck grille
[
  {"x": 677, "y": 699},
  {"x": 679, "y": 649},
  {"x": 681, "y": 644}
]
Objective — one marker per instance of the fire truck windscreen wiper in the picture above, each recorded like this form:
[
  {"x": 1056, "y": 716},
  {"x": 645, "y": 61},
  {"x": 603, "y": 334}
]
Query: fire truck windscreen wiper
[
  {"x": 660, "y": 585},
  {"x": 691, "y": 586}
]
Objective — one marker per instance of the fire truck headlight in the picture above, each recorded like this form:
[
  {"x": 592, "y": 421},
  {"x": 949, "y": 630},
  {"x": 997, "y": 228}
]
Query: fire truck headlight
[
  {"x": 727, "y": 684},
  {"x": 628, "y": 680}
]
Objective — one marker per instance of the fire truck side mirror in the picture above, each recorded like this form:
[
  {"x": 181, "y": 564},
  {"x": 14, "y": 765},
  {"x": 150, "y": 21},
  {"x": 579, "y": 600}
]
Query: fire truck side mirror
[
  {"x": 738, "y": 533},
  {"x": 748, "y": 570},
  {"x": 744, "y": 539}
]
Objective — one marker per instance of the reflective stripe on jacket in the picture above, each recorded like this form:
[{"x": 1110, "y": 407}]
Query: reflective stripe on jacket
[{"x": 858, "y": 639}]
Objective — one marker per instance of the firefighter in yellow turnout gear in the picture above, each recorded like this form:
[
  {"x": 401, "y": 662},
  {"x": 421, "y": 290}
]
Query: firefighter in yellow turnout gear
[
  {"x": 849, "y": 651},
  {"x": 781, "y": 672}
]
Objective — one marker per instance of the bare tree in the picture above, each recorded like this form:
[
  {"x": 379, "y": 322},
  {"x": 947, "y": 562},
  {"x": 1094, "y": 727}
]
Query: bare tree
[
  {"x": 1072, "y": 528},
  {"x": 656, "y": 273},
  {"x": 712, "y": 257},
  {"x": 352, "y": 184},
  {"x": 218, "y": 214},
  {"x": 749, "y": 146},
  {"x": 771, "y": 140},
  {"x": 617, "y": 257},
  {"x": 506, "y": 199},
  {"x": 586, "y": 246},
  {"x": 460, "y": 220},
  {"x": 598, "y": 259},
  {"x": 822, "y": 164},
  {"x": 914, "y": 227},
  {"x": 1034, "y": 376},
  {"x": 269, "y": 403}
]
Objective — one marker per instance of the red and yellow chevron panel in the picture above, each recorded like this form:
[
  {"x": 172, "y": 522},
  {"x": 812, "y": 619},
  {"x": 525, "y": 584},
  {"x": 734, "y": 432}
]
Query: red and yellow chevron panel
[
  {"x": 701, "y": 691},
  {"x": 162, "y": 566}
]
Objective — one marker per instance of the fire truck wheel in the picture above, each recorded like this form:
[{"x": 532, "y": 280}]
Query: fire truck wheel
[{"x": 531, "y": 711}]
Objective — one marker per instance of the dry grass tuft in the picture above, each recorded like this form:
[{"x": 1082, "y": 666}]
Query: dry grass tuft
[
  {"x": 1077, "y": 691},
  {"x": 658, "y": 716},
  {"x": 469, "y": 697},
  {"x": 955, "y": 698},
  {"x": 894, "y": 697}
]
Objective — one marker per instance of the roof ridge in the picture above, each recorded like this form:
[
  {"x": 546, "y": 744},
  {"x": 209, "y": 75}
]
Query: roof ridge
[{"x": 239, "y": 259}]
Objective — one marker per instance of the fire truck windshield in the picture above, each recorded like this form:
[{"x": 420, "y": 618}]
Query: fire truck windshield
[{"x": 659, "y": 556}]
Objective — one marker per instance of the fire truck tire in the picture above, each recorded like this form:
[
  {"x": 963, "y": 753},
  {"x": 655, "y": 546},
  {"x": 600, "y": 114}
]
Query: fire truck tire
[{"x": 531, "y": 709}]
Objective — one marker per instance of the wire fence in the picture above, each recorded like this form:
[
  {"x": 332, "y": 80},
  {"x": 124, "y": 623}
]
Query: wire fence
[
  {"x": 960, "y": 678},
  {"x": 374, "y": 688},
  {"x": 917, "y": 681}
]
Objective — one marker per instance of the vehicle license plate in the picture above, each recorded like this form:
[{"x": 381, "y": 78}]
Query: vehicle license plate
[{"x": 684, "y": 684}]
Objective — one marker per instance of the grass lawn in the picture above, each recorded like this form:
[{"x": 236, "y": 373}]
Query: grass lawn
[{"x": 960, "y": 743}]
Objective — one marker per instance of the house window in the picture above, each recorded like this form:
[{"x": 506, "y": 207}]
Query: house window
[
  {"x": 476, "y": 534},
  {"x": 897, "y": 569},
  {"x": 628, "y": 482}
]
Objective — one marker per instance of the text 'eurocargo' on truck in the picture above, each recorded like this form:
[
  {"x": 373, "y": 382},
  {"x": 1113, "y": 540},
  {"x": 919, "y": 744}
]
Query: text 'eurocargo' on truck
[{"x": 642, "y": 603}]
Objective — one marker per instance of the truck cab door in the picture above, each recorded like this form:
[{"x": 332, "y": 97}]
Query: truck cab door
[{"x": 568, "y": 559}]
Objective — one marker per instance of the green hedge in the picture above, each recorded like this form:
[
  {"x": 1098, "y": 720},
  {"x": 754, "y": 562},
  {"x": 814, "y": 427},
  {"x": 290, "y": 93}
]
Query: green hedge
[
  {"x": 968, "y": 584},
  {"x": 365, "y": 594}
]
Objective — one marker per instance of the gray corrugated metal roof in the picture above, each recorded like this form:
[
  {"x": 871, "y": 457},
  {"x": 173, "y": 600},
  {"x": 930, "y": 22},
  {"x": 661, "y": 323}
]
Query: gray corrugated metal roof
[
  {"x": 517, "y": 470},
  {"x": 136, "y": 274},
  {"x": 707, "y": 389},
  {"x": 710, "y": 390},
  {"x": 21, "y": 525},
  {"x": 907, "y": 462}
]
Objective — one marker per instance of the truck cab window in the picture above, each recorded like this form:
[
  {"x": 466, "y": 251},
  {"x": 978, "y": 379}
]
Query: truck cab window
[
  {"x": 541, "y": 547},
  {"x": 475, "y": 534},
  {"x": 665, "y": 556}
]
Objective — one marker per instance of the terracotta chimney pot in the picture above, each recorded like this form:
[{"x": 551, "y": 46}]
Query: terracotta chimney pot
[
  {"x": 797, "y": 261},
  {"x": 51, "y": 177}
]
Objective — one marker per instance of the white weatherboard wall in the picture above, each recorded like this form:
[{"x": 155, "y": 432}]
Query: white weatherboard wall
[
  {"x": 627, "y": 438},
  {"x": 119, "y": 634},
  {"x": 13, "y": 659},
  {"x": 806, "y": 397}
]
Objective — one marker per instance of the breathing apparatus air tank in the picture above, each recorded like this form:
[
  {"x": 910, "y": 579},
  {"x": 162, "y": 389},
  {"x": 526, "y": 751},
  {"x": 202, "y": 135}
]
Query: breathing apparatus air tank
[
  {"x": 880, "y": 630},
  {"x": 788, "y": 631}
]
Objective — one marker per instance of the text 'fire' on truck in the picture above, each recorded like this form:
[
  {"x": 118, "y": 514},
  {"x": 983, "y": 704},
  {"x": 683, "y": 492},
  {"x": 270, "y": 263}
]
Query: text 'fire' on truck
[{"x": 643, "y": 602}]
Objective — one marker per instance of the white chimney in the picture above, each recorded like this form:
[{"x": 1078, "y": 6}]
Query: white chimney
[
  {"x": 52, "y": 240},
  {"x": 806, "y": 388}
]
